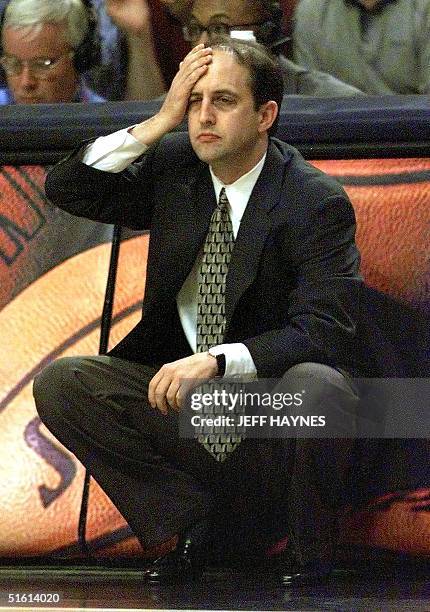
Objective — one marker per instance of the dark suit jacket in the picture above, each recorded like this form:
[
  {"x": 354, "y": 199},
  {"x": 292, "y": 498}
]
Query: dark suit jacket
[
  {"x": 294, "y": 293},
  {"x": 293, "y": 281}
]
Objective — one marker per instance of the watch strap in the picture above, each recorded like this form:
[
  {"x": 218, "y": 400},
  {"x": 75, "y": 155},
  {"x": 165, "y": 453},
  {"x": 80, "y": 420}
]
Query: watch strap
[{"x": 220, "y": 361}]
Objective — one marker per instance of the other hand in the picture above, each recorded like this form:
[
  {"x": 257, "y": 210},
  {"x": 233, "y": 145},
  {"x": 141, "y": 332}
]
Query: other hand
[
  {"x": 132, "y": 16},
  {"x": 173, "y": 381}
]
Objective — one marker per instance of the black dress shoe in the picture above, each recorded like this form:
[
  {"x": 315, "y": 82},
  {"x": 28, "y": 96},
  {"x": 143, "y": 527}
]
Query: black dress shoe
[
  {"x": 186, "y": 562},
  {"x": 320, "y": 573}
]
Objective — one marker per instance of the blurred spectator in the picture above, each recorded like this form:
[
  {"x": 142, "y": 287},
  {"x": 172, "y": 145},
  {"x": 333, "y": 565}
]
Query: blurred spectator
[
  {"x": 210, "y": 20},
  {"x": 142, "y": 46},
  {"x": 45, "y": 46},
  {"x": 287, "y": 7},
  {"x": 131, "y": 47},
  {"x": 169, "y": 42},
  {"x": 380, "y": 46},
  {"x": 178, "y": 8}
]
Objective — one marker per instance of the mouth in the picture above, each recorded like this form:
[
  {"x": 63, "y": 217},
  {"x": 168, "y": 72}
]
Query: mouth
[{"x": 207, "y": 137}]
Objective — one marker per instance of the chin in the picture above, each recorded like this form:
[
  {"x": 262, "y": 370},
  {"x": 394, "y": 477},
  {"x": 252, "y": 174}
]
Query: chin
[
  {"x": 205, "y": 154},
  {"x": 208, "y": 159}
]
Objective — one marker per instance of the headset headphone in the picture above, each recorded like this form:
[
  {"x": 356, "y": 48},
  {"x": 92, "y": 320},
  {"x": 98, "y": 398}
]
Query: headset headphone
[
  {"x": 270, "y": 33},
  {"x": 88, "y": 53}
]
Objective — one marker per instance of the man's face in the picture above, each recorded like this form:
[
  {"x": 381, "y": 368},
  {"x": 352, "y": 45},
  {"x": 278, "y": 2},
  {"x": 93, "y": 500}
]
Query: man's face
[
  {"x": 225, "y": 129},
  {"x": 59, "y": 84},
  {"x": 231, "y": 13}
]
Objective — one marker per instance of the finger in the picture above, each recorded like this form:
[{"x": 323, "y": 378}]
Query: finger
[
  {"x": 194, "y": 71},
  {"x": 191, "y": 73},
  {"x": 192, "y": 54},
  {"x": 199, "y": 56},
  {"x": 195, "y": 49},
  {"x": 182, "y": 393},
  {"x": 188, "y": 386},
  {"x": 162, "y": 404},
  {"x": 152, "y": 387},
  {"x": 160, "y": 392},
  {"x": 160, "y": 401},
  {"x": 172, "y": 394},
  {"x": 192, "y": 67}
]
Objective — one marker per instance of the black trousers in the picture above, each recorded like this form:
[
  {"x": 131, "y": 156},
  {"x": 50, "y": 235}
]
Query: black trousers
[{"x": 98, "y": 408}]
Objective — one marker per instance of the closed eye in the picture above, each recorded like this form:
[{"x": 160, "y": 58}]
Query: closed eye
[
  {"x": 225, "y": 100},
  {"x": 193, "y": 101}
]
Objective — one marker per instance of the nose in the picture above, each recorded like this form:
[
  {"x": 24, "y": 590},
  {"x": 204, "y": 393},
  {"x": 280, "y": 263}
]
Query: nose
[
  {"x": 207, "y": 115},
  {"x": 26, "y": 78}
]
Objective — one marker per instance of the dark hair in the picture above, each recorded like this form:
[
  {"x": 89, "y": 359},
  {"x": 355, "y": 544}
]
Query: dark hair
[{"x": 265, "y": 75}]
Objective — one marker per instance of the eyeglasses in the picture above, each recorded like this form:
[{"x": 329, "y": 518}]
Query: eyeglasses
[
  {"x": 193, "y": 30},
  {"x": 40, "y": 66}
]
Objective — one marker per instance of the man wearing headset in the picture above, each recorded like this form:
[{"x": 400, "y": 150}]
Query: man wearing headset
[
  {"x": 45, "y": 46},
  {"x": 260, "y": 20}
]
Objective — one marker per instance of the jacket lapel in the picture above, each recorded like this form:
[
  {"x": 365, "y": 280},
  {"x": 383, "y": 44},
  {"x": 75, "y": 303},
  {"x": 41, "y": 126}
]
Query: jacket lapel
[
  {"x": 254, "y": 229},
  {"x": 192, "y": 219}
]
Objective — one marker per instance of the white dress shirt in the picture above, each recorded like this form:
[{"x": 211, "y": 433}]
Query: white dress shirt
[{"x": 114, "y": 153}]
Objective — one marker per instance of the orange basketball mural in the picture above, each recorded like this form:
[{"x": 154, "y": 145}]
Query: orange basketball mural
[
  {"x": 41, "y": 482},
  {"x": 34, "y": 235},
  {"x": 52, "y": 288}
]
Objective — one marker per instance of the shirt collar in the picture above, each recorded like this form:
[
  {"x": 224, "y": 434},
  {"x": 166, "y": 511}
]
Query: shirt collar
[{"x": 242, "y": 187}]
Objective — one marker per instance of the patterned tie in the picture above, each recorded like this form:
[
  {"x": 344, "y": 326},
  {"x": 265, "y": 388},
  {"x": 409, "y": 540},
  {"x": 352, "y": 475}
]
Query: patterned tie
[{"x": 217, "y": 251}]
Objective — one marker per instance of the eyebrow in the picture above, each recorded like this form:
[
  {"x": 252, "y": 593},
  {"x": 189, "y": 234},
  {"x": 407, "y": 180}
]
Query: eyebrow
[{"x": 217, "y": 92}]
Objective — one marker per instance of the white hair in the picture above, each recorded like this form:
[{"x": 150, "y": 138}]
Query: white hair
[{"x": 34, "y": 14}]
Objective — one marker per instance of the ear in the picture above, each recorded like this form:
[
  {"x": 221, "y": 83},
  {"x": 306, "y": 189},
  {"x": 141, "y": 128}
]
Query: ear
[{"x": 268, "y": 113}]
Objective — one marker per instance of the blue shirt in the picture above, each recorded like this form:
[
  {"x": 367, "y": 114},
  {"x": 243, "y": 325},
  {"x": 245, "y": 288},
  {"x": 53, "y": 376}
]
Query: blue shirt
[{"x": 84, "y": 94}]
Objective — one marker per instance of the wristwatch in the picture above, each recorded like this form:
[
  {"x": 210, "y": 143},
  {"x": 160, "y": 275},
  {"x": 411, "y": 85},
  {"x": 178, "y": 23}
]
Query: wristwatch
[{"x": 220, "y": 361}]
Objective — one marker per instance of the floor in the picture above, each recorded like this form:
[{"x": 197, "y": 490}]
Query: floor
[{"x": 111, "y": 588}]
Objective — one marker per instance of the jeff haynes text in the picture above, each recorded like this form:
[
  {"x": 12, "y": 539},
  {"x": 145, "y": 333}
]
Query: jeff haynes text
[{"x": 257, "y": 420}]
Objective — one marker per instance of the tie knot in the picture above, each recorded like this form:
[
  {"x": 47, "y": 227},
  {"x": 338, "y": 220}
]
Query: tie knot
[{"x": 223, "y": 200}]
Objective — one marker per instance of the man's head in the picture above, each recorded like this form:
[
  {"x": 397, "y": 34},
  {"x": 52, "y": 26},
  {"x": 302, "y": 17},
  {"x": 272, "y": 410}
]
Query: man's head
[
  {"x": 211, "y": 20},
  {"x": 39, "y": 39},
  {"x": 234, "y": 106}
]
